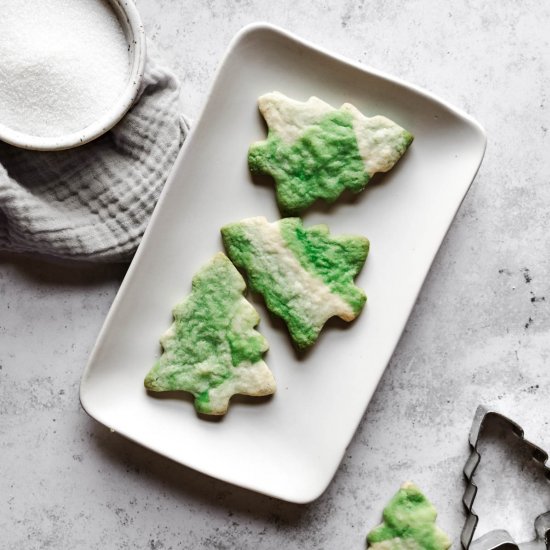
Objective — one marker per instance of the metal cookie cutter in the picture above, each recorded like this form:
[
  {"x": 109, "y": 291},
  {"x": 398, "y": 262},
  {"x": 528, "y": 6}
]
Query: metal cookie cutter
[{"x": 499, "y": 539}]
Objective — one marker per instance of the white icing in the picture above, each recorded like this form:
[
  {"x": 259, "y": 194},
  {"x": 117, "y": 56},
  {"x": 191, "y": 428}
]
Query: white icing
[
  {"x": 253, "y": 379},
  {"x": 378, "y": 140},
  {"x": 289, "y": 118}
]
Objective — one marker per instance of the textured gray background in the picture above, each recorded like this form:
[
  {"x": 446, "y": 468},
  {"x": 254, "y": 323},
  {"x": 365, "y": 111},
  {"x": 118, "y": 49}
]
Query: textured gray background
[{"x": 479, "y": 331}]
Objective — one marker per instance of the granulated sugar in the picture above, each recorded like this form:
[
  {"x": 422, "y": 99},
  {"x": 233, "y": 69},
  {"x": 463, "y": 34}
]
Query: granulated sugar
[{"x": 63, "y": 64}]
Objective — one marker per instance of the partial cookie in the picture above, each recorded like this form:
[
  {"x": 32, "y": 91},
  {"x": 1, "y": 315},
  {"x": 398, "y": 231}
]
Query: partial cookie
[
  {"x": 305, "y": 275},
  {"x": 314, "y": 151},
  {"x": 212, "y": 350},
  {"x": 409, "y": 524}
]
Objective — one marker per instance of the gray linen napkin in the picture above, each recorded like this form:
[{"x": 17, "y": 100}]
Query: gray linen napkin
[{"x": 94, "y": 202}]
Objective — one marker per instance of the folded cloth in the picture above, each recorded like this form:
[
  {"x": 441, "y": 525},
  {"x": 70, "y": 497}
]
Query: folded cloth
[{"x": 94, "y": 202}]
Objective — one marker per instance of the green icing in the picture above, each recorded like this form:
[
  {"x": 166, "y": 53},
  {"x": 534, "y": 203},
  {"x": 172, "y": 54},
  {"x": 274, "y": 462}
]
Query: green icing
[
  {"x": 409, "y": 522},
  {"x": 212, "y": 334},
  {"x": 335, "y": 260},
  {"x": 202, "y": 401},
  {"x": 320, "y": 164}
]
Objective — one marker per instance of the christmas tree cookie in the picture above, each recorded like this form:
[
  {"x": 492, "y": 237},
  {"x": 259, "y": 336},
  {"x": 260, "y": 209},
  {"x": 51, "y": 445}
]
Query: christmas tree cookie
[
  {"x": 212, "y": 350},
  {"x": 305, "y": 275},
  {"x": 409, "y": 524},
  {"x": 314, "y": 151}
]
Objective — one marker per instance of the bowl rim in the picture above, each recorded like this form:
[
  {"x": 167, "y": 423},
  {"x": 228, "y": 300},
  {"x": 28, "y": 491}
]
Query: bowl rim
[{"x": 130, "y": 21}]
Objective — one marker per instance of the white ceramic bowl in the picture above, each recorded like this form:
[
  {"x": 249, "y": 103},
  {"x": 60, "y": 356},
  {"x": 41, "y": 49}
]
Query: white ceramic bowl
[{"x": 132, "y": 26}]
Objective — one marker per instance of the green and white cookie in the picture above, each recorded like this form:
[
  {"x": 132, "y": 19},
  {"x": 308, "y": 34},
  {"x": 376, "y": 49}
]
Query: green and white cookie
[
  {"x": 305, "y": 275},
  {"x": 212, "y": 350},
  {"x": 409, "y": 524},
  {"x": 314, "y": 151}
]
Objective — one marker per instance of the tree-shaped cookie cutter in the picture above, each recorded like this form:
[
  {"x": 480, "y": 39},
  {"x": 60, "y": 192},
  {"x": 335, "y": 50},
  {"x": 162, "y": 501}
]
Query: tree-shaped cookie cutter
[{"x": 499, "y": 539}]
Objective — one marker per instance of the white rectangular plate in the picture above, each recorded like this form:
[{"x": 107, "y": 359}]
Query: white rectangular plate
[{"x": 288, "y": 446}]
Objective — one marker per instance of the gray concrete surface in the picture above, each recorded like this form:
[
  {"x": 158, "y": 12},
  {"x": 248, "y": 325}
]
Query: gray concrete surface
[{"x": 478, "y": 333}]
